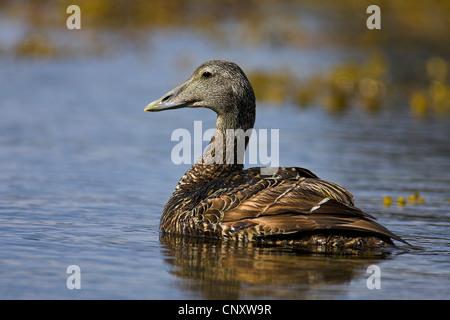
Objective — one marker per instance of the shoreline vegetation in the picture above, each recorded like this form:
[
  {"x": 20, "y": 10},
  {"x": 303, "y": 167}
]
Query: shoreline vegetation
[{"x": 406, "y": 62}]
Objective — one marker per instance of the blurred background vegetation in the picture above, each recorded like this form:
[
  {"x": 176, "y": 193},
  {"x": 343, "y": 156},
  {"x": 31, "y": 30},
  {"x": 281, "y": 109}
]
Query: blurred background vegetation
[{"x": 406, "y": 62}]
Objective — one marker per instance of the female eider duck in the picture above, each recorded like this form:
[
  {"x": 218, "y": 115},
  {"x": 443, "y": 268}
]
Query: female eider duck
[{"x": 216, "y": 198}]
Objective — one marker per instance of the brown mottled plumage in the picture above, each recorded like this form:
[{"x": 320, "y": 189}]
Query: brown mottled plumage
[{"x": 217, "y": 198}]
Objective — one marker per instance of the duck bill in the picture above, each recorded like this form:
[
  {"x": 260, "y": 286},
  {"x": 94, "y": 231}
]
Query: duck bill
[
  {"x": 169, "y": 101},
  {"x": 159, "y": 105}
]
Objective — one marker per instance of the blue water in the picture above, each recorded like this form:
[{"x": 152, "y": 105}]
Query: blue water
[{"x": 85, "y": 173}]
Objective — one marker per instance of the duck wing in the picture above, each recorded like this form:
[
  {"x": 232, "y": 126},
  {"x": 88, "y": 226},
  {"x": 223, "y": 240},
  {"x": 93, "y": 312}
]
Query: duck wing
[{"x": 293, "y": 200}]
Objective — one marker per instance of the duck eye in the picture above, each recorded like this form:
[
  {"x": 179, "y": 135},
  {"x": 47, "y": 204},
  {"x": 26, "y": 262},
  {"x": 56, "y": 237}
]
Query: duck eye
[{"x": 206, "y": 74}]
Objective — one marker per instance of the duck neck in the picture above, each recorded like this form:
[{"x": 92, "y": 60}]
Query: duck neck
[
  {"x": 232, "y": 134},
  {"x": 230, "y": 139},
  {"x": 225, "y": 152}
]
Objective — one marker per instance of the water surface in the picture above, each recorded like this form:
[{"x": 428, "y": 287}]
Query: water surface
[{"x": 85, "y": 173}]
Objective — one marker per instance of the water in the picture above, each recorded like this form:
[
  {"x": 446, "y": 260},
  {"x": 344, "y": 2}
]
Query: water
[{"x": 85, "y": 173}]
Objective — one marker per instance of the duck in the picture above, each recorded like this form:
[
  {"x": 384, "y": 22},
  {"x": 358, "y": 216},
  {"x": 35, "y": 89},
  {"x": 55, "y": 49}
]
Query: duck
[{"x": 217, "y": 198}]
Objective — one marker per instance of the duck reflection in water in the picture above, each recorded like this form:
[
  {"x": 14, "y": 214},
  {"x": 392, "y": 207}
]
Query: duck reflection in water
[{"x": 218, "y": 269}]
